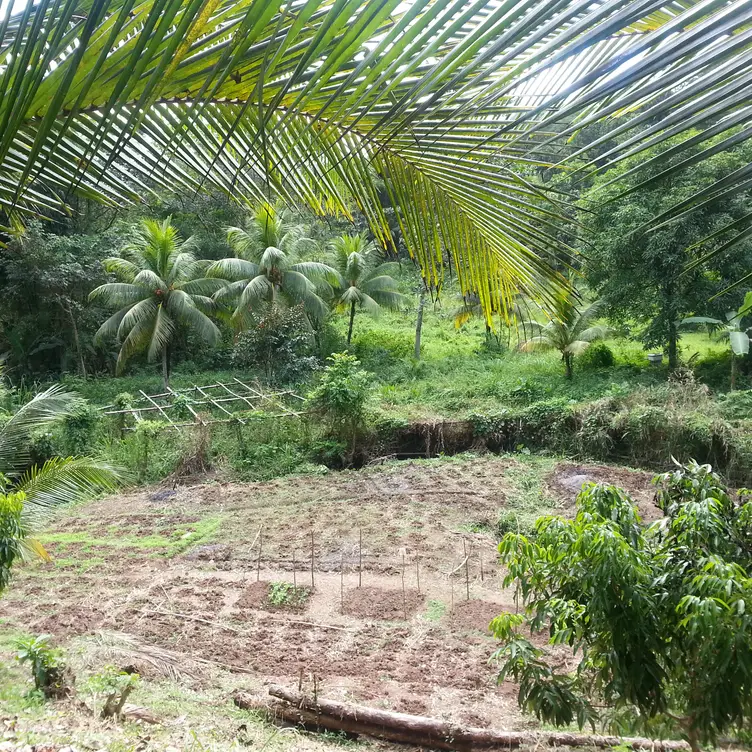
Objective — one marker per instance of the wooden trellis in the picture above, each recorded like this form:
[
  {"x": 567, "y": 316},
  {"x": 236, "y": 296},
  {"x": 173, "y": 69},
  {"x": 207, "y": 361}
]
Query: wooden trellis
[{"x": 220, "y": 397}]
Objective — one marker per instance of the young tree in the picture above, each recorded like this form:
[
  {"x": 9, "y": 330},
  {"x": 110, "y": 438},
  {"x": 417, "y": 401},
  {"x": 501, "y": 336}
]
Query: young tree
[
  {"x": 29, "y": 492},
  {"x": 571, "y": 330},
  {"x": 361, "y": 281},
  {"x": 652, "y": 276},
  {"x": 161, "y": 287},
  {"x": 267, "y": 269},
  {"x": 659, "y": 616}
]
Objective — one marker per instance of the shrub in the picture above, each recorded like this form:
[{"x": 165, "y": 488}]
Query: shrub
[
  {"x": 279, "y": 342},
  {"x": 596, "y": 357},
  {"x": 380, "y": 346},
  {"x": 658, "y": 616},
  {"x": 736, "y": 405},
  {"x": 341, "y": 396},
  {"x": 47, "y": 666},
  {"x": 12, "y": 534},
  {"x": 79, "y": 429}
]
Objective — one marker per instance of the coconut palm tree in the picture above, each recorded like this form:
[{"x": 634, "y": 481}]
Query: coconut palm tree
[
  {"x": 430, "y": 112},
  {"x": 571, "y": 332},
  {"x": 161, "y": 287},
  {"x": 28, "y": 493},
  {"x": 267, "y": 270},
  {"x": 361, "y": 281}
]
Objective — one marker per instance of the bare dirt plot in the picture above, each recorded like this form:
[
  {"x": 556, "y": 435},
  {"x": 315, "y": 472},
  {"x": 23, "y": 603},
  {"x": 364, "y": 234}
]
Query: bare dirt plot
[{"x": 181, "y": 571}]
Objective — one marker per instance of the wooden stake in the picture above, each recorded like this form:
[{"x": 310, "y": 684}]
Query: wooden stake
[
  {"x": 480, "y": 556},
  {"x": 451, "y": 602},
  {"x": 417, "y": 572},
  {"x": 300, "y": 680},
  {"x": 467, "y": 569},
  {"x": 258, "y": 560},
  {"x": 294, "y": 573},
  {"x": 342, "y": 583},
  {"x": 312, "y": 580},
  {"x": 360, "y": 557},
  {"x": 404, "y": 597}
]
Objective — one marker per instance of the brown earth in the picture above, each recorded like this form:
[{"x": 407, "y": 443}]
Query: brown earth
[{"x": 139, "y": 563}]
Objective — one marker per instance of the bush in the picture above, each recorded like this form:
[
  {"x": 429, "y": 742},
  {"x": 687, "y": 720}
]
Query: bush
[
  {"x": 596, "y": 357},
  {"x": 381, "y": 346},
  {"x": 79, "y": 429},
  {"x": 280, "y": 342},
  {"x": 736, "y": 405},
  {"x": 342, "y": 393},
  {"x": 670, "y": 638},
  {"x": 48, "y": 668}
]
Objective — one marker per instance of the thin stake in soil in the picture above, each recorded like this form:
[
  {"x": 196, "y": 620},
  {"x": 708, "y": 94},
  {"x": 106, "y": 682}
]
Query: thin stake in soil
[
  {"x": 404, "y": 597},
  {"x": 417, "y": 572},
  {"x": 467, "y": 569},
  {"x": 312, "y": 581},
  {"x": 360, "y": 557},
  {"x": 258, "y": 559},
  {"x": 451, "y": 602},
  {"x": 294, "y": 573},
  {"x": 480, "y": 556},
  {"x": 342, "y": 583}
]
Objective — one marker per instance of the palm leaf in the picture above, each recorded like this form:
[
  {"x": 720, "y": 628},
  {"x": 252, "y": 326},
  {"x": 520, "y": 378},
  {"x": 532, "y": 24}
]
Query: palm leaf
[
  {"x": 62, "y": 480},
  {"x": 37, "y": 414}
]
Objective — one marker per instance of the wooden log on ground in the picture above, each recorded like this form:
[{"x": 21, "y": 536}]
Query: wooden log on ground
[{"x": 301, "y": 709}]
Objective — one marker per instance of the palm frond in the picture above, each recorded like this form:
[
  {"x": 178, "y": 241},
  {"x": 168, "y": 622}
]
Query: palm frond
[
  {"x": 37, "y": 414},
  {"x": 62, "y": 480}
]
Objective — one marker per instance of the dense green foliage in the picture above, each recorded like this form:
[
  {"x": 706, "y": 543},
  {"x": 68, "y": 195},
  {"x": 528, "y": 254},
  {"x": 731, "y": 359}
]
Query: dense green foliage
[
  {"x": 654, "y": 277},
  {"x": 658, "y": 617}
]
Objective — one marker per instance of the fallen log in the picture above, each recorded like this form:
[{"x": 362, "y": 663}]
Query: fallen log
[{"x": 422, "y": 731}]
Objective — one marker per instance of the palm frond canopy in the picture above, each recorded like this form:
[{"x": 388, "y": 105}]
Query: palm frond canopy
[
  {"x": 163, "y": 288},
  {"x": 444, "y": 103},
  {"x": 262, "y": 274}
]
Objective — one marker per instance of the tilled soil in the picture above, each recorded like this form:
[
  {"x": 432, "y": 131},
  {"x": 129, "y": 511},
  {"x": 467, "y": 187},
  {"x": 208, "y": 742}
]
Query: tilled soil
[{"x": 139, "y": 564}]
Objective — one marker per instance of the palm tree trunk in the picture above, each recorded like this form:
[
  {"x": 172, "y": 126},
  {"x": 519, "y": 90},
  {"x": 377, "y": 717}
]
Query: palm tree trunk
[
  {"x": 419, "y": 323},
  {"x": 567, "y": 358},
  {"x": 166, "y": 367},
  {"x": 733, "y": 370},
  {"x": 352, "y": 319}
]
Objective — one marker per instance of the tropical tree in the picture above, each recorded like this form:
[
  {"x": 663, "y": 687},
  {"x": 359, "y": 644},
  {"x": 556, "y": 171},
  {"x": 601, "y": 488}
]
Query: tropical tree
[
  {"x": 267, "y": 270},
  {"x": 161, "y": 287},
  {"x": 361, "y": 281},
  {"x": 430, "y": 112},
  {"x": 571, "y": 331},
  {"x": 658, "y": 617},
  {"x": 28, "y": 493},
  {"x": 732, "y": 326}
]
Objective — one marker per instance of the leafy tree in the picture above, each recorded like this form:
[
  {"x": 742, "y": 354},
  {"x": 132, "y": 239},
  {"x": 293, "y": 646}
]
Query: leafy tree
[
  {"x": 732, "y": 326},
  {"x": 161, "y": 288},
  {"x": 570, "y": 331},
  {"x": 267, "y": 269},
  {"x": 658, "y": 616},
  {"x": 45, "y": 323},
  {"x": 29, "y": 492},
  {"x": 652, "y": 276},
  {"x": 361, "y": 281}
]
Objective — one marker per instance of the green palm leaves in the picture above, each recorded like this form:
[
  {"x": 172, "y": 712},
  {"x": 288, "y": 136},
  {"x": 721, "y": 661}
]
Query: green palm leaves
[
  {"x": 28, "y": 493},
  {"x": 571, "y": 331},
  {"x": 443, "y": 107},
  {"x": 162, "y": 287},
  {"x": 361, "y": 281},
  {"x": 267, "y": 269}
]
